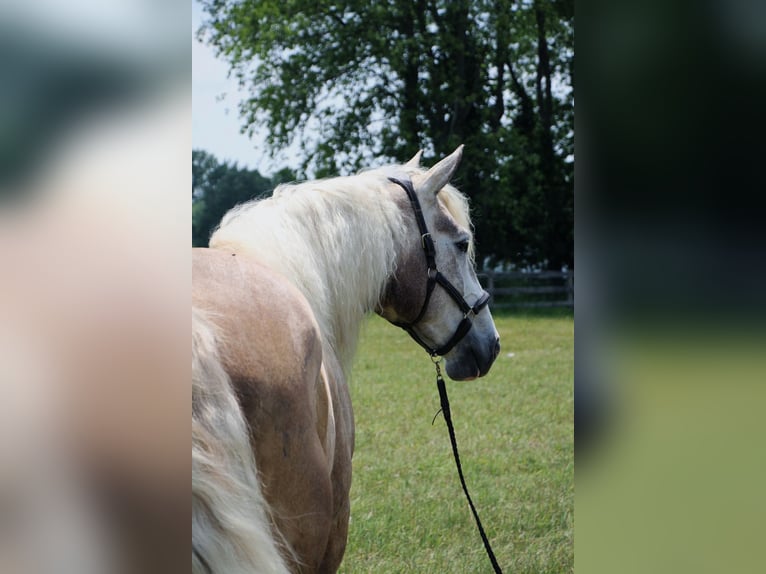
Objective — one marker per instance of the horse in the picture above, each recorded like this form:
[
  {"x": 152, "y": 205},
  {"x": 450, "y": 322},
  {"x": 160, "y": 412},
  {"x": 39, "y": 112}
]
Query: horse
[{"x": 278, "y": 300}]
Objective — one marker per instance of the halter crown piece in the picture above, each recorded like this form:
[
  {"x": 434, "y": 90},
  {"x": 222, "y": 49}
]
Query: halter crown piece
[{"x": 434, "y": 277}]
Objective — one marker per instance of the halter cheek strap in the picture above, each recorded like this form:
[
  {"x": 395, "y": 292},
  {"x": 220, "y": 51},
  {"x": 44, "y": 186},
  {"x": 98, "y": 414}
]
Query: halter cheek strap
[{"x": 435, "y": 277}]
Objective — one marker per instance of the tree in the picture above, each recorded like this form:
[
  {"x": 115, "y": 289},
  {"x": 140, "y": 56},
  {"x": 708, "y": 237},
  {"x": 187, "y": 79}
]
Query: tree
[
  {"x": 357, "y": 80},
  {"x": 217, "y": 187}
]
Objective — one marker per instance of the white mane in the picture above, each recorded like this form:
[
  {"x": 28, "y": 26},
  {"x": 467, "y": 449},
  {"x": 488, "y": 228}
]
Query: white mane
[{"x": 336, "y": 240}]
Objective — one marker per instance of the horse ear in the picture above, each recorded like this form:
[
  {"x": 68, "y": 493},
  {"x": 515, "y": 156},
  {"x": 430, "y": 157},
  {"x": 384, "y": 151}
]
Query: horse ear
[
  {"x": 440, "y": 174},
  {"x": 415, "y": 161}
]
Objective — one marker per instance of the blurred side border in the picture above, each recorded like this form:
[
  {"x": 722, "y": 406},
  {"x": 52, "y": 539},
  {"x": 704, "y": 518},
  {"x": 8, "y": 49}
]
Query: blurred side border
[{"x": 669, "y": 311}]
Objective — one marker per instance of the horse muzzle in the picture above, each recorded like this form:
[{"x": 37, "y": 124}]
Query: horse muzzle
[{"x": 472, "y": 358}]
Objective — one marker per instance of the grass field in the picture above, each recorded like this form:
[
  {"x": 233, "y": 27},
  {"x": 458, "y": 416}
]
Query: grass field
[{"x": 515, "y": 432}]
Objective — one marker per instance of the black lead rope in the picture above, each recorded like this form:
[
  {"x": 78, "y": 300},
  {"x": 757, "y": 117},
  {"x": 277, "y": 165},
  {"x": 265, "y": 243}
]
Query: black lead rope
[{"x": 448, "y": 419}]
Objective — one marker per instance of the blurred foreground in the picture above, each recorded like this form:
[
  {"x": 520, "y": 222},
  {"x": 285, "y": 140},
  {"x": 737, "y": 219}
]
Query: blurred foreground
[{"x": 94, "y": 224}]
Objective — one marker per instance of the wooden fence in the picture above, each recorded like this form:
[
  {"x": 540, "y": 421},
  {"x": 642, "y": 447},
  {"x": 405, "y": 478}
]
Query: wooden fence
[{"x": 518, "y": 289}]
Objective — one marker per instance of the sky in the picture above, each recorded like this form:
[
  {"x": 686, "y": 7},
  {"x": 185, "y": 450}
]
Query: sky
[{"x": 215, "y": 118}]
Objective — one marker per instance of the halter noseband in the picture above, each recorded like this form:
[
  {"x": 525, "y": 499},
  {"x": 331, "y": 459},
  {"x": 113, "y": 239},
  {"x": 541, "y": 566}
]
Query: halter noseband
[{"x": 434, "y": 277}]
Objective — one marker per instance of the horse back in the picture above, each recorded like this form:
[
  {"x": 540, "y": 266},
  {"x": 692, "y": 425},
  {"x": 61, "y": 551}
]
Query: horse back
[{"x": 271, "y": 348}]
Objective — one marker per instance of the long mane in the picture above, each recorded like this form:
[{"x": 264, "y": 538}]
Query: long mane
[{"x": 336, "y": 240}]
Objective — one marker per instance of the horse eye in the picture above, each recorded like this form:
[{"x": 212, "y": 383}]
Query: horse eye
[{"x": 462, "y": 245}]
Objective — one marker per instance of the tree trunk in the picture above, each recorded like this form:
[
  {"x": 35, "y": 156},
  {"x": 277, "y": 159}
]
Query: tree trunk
[{"x": 408, "y": 117}]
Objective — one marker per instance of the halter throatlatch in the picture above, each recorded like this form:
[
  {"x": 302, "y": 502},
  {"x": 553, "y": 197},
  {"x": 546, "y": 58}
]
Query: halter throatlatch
[{"x": 435, "y": 277}]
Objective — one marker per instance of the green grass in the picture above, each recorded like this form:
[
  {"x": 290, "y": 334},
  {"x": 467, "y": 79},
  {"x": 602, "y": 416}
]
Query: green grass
[{"x": 514, "y": 428}]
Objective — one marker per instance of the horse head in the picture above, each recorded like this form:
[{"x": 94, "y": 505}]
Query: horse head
[{"x": 434, "y": 293}]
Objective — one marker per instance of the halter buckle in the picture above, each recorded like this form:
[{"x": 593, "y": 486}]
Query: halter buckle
[{"x": 427, "y": 242}]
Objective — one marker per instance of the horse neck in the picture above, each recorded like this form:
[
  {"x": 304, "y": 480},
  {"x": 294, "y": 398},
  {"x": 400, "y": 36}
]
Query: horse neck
[{"x": 354, "y": 271}]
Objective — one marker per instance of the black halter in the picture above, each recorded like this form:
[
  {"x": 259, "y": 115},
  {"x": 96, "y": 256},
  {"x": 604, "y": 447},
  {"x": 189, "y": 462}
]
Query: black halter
[{"x": 434, "y": 277}]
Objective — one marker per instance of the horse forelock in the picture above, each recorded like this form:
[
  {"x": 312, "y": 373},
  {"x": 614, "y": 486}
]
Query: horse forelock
[{"x": 458, "y": 207}]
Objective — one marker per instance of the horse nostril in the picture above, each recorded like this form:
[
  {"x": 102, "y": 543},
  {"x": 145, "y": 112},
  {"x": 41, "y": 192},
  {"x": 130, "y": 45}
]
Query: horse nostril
[{"x": 497, "y": 347}]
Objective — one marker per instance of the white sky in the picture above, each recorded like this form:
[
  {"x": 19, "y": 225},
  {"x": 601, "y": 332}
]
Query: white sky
[{"x": 215, "y": 117}]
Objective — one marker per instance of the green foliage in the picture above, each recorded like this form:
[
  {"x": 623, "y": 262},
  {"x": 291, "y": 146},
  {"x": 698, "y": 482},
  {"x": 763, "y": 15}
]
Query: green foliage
[
  {"x": 515, "y": 432},
  {"x": 217, "y": 187},
  {"x": 357, "y": 80}
]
